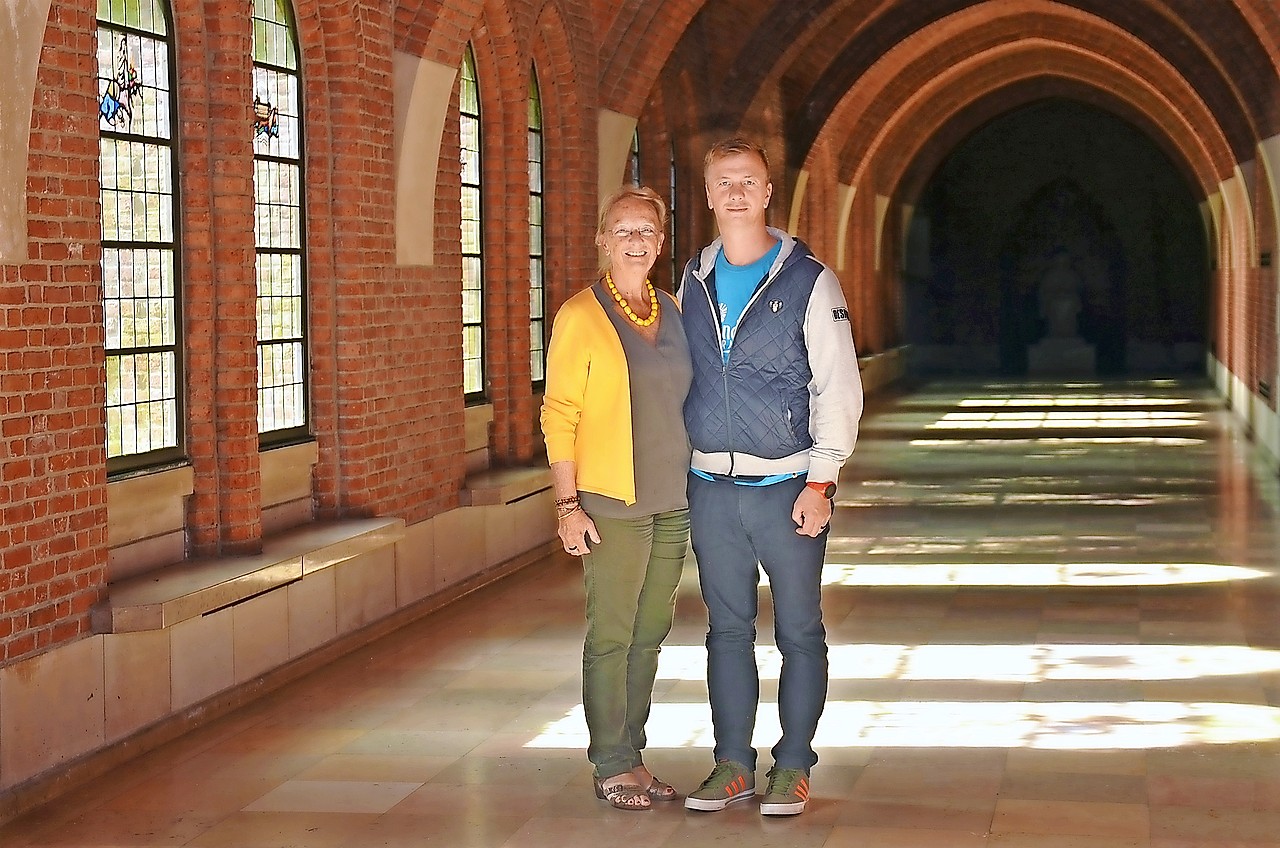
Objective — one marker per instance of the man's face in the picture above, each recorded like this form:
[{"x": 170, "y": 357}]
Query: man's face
[{"x": 738, "y": 189}]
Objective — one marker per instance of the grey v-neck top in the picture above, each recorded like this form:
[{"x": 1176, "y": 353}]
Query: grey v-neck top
[{"x": 659, "y": 377}]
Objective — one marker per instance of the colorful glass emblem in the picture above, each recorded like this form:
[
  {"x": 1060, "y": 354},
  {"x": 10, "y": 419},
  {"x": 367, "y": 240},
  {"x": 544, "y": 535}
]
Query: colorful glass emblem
[
  {"x": 116, "y": 105},
  {"x": 266, "y": 119}
]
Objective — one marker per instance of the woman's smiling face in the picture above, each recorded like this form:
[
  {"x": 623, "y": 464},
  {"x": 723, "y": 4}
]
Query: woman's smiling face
[{"x": 632, "y": 237}]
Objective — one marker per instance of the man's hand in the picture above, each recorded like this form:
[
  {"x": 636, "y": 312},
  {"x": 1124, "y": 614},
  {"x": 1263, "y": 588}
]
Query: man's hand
[{"x": 811, "y": 512}]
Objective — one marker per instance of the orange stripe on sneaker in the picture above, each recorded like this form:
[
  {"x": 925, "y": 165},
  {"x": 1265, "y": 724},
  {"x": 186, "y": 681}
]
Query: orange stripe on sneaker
[{"x": 802, "y": 789}]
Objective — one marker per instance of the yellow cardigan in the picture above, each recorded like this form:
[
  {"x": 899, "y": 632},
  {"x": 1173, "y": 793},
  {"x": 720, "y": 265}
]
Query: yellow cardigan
[{"x": 586, "y": 410}]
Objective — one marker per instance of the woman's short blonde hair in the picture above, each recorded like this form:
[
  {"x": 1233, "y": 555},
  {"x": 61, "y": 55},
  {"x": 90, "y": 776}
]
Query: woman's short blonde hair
[{"x": 642, "y": 193}]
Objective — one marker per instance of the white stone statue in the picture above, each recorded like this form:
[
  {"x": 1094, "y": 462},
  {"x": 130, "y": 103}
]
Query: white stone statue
[{"x": 1060, "y": 301}]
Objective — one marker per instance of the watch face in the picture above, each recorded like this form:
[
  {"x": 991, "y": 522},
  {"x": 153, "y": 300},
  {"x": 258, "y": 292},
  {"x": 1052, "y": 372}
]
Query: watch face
[{"x": 828, "y": 489}]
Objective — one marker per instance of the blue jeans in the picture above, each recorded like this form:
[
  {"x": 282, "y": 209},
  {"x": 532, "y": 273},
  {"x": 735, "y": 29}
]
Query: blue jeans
[
  {"x": 631, "y": 578},
  {"x": 735, "y": 531}
]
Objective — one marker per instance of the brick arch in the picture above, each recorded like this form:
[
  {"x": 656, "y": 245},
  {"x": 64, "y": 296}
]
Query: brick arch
[
  {"x": 882, "y": 142},
  {"x": 1211, "y": 67},
  {"x": 880, "y": 163},
  {"x": 435, "y": 29},
  {"x": 930, "y": 155},
  {"x": 913, "y": 87},
  {"x": 639, "y": 42}
]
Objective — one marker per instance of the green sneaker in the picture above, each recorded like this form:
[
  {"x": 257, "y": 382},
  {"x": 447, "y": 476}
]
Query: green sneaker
[
  {"x": 727, "y": 783},
  {"x": 787, "y": 793}
]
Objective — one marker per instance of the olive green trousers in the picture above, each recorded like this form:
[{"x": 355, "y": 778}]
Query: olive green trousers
[{"x": 631, "y": 578}]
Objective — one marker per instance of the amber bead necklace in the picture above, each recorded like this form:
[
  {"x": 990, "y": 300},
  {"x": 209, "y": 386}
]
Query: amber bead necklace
[{"x": 626, "y": 307}]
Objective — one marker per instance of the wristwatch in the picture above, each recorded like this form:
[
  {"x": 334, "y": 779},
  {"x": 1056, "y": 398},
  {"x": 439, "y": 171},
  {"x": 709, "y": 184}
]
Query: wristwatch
[{"x": 828, "y": 490}]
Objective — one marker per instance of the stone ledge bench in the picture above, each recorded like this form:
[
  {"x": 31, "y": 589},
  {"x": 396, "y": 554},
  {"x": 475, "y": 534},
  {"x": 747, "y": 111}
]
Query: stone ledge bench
[
  {"x": 497, "y": 486},
  {"x": 162, "y": 598}
]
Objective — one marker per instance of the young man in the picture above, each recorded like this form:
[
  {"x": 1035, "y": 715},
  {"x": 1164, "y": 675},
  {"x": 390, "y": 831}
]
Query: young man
[{"x": 772, "y": 416}]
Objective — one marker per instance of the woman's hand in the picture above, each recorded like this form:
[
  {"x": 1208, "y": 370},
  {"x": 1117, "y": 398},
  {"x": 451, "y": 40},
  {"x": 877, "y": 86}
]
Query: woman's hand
[{"x": 575, "y": 529}]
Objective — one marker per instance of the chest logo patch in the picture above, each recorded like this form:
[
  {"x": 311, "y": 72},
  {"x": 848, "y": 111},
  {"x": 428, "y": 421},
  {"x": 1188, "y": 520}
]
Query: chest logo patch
[
  {"x": 775, "y": 305},
  {"x": 839, "y": 313}
]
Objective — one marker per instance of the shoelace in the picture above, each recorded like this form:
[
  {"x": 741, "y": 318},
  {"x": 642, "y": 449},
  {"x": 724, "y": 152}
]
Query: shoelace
[
  {"x": 784, "y": 783},
  {"x": 720, "y": 774}
]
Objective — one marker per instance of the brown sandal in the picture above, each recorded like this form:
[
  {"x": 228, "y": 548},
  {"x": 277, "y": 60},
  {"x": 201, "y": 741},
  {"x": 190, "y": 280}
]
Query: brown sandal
[
  {"x": 660, "y": 790},
  {"x": 625, "y": 796}
]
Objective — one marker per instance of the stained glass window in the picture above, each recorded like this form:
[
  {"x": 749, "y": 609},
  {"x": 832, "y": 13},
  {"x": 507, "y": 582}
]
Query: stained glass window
[
  {"x": 537, "y": 243},
  {"x": 278, "y": 224},
  {"x": 676, "y": 269},
  {"x": 140, "y": 282},
  {"x": 472, "y": 256}
]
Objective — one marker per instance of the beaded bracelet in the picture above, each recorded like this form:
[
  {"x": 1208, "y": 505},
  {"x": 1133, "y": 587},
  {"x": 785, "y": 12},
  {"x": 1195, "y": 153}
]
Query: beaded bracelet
[{"x": 572, "y": 499}]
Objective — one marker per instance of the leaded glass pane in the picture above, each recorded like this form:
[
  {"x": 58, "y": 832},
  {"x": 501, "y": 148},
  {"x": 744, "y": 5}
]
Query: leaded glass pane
[
  {"x": 281, "y": 399},
  {"x": 141, "y": 401},
  {"x": 469, "y": 92},
  {"x": 276, "y": 118},
  {"x": 279, "y": 297},
  {"x": 469, "y": 128},
  {"x": 133, "y": 83},
  {"x": 634, "y": 164},
  {"x": 272, "y": 35},
  {"x": 535, "y": 239},
  {"x": 140, "y": 14},
  {"x": 535, "y": 162},
  {"x": 536, "y": 307},
  {"x": 537, "y": 367},
  {"x": 278, "y": 204},
  {"x": 535, "y": 102}
]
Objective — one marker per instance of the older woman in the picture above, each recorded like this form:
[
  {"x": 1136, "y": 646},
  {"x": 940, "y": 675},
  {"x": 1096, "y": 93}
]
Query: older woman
[{"x": 618, "y": 370}]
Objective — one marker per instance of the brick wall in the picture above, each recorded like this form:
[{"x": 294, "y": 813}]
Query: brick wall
[{"x": 52, "y": 387}]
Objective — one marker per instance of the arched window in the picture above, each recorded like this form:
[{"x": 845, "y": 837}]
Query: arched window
[
  {"x": 633, "y": 160},
  {"x": 472, "y": 255},
  {"x": 139, "y": 184},
  {"x": 279, "y": 228},
  {"x": 537, "y": 241},
  {"x": 676, "y": 267}
]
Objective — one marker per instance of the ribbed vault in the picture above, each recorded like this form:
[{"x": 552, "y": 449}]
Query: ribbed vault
[{"x": 1206, "y": 63}]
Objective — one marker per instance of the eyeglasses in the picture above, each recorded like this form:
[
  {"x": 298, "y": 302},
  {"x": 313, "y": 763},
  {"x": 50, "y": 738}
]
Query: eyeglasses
[{"x": 624, "y": 233}]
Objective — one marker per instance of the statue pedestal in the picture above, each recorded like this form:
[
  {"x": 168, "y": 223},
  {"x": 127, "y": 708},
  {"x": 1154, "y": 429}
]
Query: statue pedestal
[{"x": 1070, "y": 356}]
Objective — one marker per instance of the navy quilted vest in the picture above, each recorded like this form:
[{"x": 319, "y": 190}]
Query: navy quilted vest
[{"x": 759, "y": 402}]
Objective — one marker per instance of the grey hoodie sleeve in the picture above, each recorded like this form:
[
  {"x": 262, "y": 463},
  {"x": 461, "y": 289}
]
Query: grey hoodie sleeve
[{"x": 835, "y": 393}]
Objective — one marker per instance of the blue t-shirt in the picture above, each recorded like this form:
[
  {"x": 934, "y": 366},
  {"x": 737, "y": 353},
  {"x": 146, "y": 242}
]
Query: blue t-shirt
[{"x": 734, "y": 286}]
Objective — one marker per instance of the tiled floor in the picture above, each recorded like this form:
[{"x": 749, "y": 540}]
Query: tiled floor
[{"x": 1054, "y": 618}]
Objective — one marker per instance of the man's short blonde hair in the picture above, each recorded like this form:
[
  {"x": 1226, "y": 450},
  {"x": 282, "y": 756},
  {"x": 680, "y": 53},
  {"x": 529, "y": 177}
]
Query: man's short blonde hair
[{"x": 732, "y": 147}]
